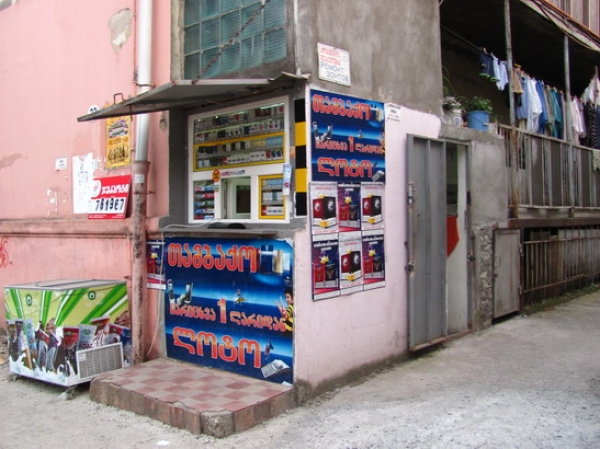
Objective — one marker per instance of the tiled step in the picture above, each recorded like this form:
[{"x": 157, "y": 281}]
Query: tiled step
[{"x": 198, "y": 399}]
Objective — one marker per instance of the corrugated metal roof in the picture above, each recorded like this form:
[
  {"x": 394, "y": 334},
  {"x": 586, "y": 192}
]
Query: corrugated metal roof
[{"x": 188, "y": 93}]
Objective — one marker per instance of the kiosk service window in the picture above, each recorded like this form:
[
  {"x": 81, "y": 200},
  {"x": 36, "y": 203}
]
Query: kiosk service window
[{"x": 237, "y": 163}]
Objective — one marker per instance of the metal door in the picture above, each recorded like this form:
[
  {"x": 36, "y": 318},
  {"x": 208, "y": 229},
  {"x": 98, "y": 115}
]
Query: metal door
[
  {"x": 426, "y": 246},
  {"x": 507, "y": 268}
]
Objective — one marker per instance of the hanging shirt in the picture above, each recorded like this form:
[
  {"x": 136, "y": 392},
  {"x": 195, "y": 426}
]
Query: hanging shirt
[
  {"x": 522, "y": 111},
  {"x": 486, "y": 65},
  {"x": 495, "y": 69},
  {"x": 534, "y": 105},
  {"x": 577, "y": 120},
  {"x": 543, "y": 118},
  {"x": 502, "y": 76},
  {"x": 557, "y": 105}
]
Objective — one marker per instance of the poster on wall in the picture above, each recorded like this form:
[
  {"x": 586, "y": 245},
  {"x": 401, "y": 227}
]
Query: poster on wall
[
  {"x": 349, "y": 207},
  {"x": 118, "y": 148},
  {"x": 109, "y": 197},
  {"x": 229, "y": 304},
  {"x": 348, "y": 251},
  {"x": 325, "y": 267},
  {"x": 372, "y": 197},
  {"x": 155, "y": 250},
  {"x": 347, "y": 138},
  {"x": 350, "y": 261},
  {"x": 373, "y": 251},
  {"x": 324, "y": 207}
]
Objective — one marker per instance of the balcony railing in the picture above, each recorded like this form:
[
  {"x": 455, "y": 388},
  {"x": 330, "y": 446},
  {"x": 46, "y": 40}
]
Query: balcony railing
[{"x": 552, "y": 174}]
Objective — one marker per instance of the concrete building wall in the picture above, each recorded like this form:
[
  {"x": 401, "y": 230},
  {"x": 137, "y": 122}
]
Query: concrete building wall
[
  {"x": 394, "y": 48},
  {"x": 489, "y": 189}
]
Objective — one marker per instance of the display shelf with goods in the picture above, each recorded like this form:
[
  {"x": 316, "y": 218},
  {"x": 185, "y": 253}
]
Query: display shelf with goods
[
  {"x": 204, "y": 200},
  {"x": 253, "y": 136},
  {"x": 232, "y": 151},
  {"x": 272, "y": 200}
]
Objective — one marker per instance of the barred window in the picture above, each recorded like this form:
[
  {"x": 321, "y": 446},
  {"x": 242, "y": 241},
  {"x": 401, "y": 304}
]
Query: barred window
[{"x": 224, "y": 36}]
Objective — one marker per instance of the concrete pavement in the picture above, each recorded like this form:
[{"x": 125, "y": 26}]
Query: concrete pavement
[{"x": 528, "y": 382}]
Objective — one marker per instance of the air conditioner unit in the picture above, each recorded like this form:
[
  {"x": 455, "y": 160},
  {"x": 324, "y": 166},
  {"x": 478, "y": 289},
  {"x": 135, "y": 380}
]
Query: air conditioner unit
[{"x": 94, "y": 361}]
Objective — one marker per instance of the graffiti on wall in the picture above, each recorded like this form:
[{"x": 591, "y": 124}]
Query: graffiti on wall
[{"x": 4, "y": 259}]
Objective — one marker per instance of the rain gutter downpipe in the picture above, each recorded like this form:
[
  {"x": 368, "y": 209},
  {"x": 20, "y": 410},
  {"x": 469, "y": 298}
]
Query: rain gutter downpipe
[
  {"x": 140, "y": 169},
  {"x": 513, "y": 141}
]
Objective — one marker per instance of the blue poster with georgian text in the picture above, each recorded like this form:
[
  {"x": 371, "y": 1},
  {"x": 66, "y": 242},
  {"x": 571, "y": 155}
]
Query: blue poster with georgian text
[
  {"x": 229, "y": 304},
  {"x": 347, "y": 138}
]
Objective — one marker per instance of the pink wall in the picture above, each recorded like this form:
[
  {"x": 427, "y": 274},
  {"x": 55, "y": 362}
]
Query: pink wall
[
  {"x": 58, "y": 58},
  {"x": 339, "y": 334},
  {"x": 65, "y": 62}
]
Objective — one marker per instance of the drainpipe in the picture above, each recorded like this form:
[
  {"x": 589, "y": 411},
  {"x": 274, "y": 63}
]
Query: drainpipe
[
  {"x": 140, "y": 168},
  {"x": 567, "y": 121},
  {"x": 512, "y": 133}
]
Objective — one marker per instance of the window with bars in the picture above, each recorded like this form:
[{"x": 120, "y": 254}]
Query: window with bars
[{"x": 224, "y": 36}]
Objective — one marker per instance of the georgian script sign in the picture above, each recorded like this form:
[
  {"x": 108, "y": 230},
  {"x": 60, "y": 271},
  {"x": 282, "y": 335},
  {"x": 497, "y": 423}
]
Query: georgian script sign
[{"x": 109, "y": 197}]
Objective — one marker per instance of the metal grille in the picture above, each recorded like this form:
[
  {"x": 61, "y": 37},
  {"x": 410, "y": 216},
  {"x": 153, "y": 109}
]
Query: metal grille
[
  {"x": 93, "y": 361},
  {"x": 558, "y": 260},
  {"x": 554, "y": 174}
]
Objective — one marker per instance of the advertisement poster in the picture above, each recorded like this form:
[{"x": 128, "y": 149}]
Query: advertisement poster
[
  {"x": 154, "y": 264},
  {"x": 324, "y": 207},
  {"x": 351, "y": 273},
  {"x": 109, "y": 197},
  {"x": 229, "y": 304},
  {"x": 325, "y": 267},
  {"x": 118, "y": 131},
  {"x": 49, "y": 321},
  {"x": 373, "y": 251},
  {"x": 349, "y": 210},
  {"x": 347, "y": 222},
  {"x": 347, "y": 138},
  {"x": 372, "y": 205}
]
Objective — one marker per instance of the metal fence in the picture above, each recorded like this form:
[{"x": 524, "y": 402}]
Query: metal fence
[
  {"x": 558, "y": 260},
  {"x": 552, "y": 173}
]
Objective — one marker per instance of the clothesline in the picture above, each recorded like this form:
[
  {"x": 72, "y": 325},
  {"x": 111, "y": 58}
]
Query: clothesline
[{"x": 541, "y": 108}]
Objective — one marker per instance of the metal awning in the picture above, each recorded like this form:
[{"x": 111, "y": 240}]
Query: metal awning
[{"x": 194, "y": 93}]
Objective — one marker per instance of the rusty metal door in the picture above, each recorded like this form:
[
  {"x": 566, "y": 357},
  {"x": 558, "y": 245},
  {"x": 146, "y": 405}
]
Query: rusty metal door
[
  {"x": 426, "y": 245},
  {"x": 507, "y": 268}
]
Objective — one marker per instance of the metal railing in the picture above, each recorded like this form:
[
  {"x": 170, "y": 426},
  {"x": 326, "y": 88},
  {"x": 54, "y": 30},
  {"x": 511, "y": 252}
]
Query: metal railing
[
  {"x": 557, "y": 260},
  {"x": 553, "y": 173}
]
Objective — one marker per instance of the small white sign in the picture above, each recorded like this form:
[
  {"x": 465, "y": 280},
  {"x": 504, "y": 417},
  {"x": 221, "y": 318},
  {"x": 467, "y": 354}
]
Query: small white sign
[
  {"x": 61, "y": 163},
  {"x": 334, "y": 64}
]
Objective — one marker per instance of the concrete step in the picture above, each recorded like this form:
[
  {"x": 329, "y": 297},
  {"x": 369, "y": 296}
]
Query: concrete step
[{"x": 191, "y": 397}]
